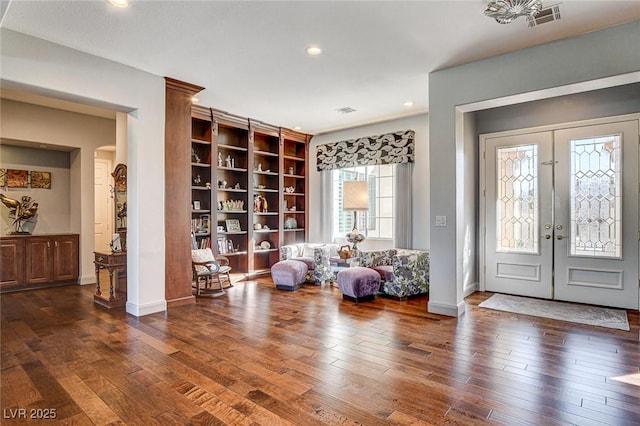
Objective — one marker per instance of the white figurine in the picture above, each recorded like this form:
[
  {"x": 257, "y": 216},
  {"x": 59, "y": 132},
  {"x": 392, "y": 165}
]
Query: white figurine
[{"x": 228, "y": 161}]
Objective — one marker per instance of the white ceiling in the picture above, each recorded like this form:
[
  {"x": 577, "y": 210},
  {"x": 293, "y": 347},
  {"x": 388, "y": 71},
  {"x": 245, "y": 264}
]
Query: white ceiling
[{"x": 250, "y": 54}]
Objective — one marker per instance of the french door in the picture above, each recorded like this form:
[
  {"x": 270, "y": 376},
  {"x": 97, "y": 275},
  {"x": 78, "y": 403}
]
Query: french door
[{"x": 561, "y": 214}]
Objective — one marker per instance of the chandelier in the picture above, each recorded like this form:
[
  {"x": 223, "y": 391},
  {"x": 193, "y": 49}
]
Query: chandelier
[{"x": 505, "y": 11}]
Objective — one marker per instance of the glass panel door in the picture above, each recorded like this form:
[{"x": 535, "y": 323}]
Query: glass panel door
[
  {"x": 518, "y": 176},
  {"x": 561, "y": 214},
  {"x": 596, "y": 214}
]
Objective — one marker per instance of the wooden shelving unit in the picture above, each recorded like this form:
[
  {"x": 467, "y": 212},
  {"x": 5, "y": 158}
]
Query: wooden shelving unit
[
  {"x": 250, "y": 165},
  {"x": 216, "y": 165},
  {"x": 231, "y": 197},
  {"x": 295, "y": 152},
  {"x": 201, "y": 149}
]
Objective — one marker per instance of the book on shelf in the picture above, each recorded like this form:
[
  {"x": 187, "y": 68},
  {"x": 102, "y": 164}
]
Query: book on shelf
[
  {"x": 203, "y": 243},
  {"x": 201, "y": 224},
  {"x": 225, "y": 246}
]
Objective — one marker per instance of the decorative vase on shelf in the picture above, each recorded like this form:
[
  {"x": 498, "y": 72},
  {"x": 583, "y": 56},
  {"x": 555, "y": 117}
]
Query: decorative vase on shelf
[{"x": 290, "y": 223}]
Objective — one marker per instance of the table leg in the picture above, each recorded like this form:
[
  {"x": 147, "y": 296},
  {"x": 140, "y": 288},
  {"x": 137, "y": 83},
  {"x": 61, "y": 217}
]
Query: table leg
[
  {"x": 110, "y": 284},
  {"x": 98, "y": 292}
]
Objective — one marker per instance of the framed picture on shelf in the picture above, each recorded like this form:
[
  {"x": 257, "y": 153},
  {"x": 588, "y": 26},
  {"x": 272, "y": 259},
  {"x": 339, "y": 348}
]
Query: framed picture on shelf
[
  {"x": 233, "y": 225},
  {"x": 196, "y": 205},
  {"x": 205, "y": 223}
]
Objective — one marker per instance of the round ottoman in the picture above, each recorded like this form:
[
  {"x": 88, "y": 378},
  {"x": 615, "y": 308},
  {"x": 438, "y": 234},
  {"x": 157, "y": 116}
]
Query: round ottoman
[
  {"x": 358, "y": 283},
  {"x": 289, "y": 274}
]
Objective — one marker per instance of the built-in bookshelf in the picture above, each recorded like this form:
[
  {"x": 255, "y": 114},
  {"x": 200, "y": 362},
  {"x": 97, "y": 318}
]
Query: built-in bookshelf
[
  {"x": 251, "y": 166},
  {"x": 295, "y": 187},
  {"x": 232, "y": 192},
  {"x": 267, "y": 172},
  {"x": 201, "y": 172}
]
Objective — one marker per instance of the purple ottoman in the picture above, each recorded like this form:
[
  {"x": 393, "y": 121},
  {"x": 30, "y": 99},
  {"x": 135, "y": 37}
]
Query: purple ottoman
[
  {"x": 358, "y": 283},
  {"x": 289, "y": 274}
]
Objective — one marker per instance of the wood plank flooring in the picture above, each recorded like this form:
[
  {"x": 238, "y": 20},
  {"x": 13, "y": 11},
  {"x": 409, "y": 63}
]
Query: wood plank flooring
[{"x": 259, "y": 356}]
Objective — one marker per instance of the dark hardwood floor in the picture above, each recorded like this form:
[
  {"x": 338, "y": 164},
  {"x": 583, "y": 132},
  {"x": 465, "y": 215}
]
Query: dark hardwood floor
[{"x": 268, "y": 357}]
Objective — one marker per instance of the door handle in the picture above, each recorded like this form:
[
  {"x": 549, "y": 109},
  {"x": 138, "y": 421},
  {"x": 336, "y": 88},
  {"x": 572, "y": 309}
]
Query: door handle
[
  {"x": 547, "y": 236},
  {"x": 560, "y": 237}
]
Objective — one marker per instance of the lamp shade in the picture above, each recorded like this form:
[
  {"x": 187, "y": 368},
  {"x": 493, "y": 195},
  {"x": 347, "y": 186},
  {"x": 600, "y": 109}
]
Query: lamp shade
[{"x": 355, "y": 195}]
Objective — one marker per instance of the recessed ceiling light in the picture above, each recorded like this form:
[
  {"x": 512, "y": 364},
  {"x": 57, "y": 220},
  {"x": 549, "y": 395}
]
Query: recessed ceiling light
[
  {"x": 297, "y": 128},
  {"x": 313, "y": 50},
  {"x": 119, "y": 3},
  {"x": 408, "y": 103}
]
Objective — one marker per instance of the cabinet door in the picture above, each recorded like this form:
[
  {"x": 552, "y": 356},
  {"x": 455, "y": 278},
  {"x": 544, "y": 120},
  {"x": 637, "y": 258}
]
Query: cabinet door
[
  {"x": 37, "y": 260},
  {"x": 12, "y": 262},
  {"x": 65, "y": 258}
]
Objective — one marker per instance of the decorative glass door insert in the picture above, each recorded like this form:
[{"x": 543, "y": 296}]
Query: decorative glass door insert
[
  {"x": 596, "y": 197},
  {"x": 517, "y": 199}
]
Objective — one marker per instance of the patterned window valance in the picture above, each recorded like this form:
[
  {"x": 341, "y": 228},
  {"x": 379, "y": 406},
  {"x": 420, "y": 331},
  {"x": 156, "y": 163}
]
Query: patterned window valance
[{"x": 390, "y": 148}]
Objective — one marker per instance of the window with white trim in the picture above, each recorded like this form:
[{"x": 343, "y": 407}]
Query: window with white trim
[{"x": 378, "y": 221}]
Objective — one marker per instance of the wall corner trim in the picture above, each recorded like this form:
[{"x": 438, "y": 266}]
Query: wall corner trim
[
  {"x": 445, "y": 309},
  {"x": 146, "y": 309}
]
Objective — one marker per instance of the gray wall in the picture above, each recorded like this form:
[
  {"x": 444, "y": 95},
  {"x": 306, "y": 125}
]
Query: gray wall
[
  {"x": 611, "y": 101},
  {"x": 574, "y": 65},
  {"x": 53, "y": 204},
  {"x": 43, "y": 68}
]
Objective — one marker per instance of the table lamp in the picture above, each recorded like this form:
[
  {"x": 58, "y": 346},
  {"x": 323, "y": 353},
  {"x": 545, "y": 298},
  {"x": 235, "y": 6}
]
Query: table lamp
[{"x": 355, "y": 197}]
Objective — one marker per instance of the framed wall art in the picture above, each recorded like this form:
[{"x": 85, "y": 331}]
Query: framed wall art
[
  {"x": 17, "y": 178},
  {"x": 41, "y": 180}
]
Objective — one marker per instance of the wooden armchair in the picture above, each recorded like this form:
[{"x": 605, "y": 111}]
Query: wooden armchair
[{"x": 208, "y": 269}]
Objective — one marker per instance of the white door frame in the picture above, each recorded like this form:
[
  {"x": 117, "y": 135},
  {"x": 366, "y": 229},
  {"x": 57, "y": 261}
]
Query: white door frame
[
  {"x": 483, "y": 184},
  {"x": 110, "y": 209}
]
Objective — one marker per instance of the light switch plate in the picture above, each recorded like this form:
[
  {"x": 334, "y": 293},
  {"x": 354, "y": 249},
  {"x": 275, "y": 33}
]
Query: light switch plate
[{"x": 441, "y": 221}]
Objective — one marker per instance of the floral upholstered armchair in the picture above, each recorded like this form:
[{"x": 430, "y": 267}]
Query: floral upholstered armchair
[
  {"x": 315, "y": 256},
  {"x": 403, "y": 272}
]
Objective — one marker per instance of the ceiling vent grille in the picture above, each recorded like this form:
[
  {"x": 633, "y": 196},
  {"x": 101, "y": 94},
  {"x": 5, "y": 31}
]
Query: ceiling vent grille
[
  {"x": 345, "y": 110},
  {"x": 548, "y": 14}
]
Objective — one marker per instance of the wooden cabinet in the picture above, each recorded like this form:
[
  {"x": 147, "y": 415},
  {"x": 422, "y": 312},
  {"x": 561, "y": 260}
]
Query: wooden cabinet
[
  {"x": 32, "y": 261},
  {"x": 12, "y": 258}
]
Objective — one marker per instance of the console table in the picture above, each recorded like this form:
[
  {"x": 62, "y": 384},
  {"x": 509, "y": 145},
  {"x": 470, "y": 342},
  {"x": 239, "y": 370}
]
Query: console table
[{"x": 116, "y": 265}]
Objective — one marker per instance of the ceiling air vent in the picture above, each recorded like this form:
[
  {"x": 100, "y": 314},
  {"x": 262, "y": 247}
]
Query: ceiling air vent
[
  {"x": 345, "y": 110},
  {"x": 548, "y": 14}
]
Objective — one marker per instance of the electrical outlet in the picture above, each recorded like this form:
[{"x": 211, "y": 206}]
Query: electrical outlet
[{"x": 441, "y": 221}]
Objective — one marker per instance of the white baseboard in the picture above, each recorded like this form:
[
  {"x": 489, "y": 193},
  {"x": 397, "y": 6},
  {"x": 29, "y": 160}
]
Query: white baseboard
[
  {"x": 470, "y": 289},
  {"x": 446, "y": 309},
  {"x": 87, "y": 279},
  {"x": 146, "y": 309}
]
